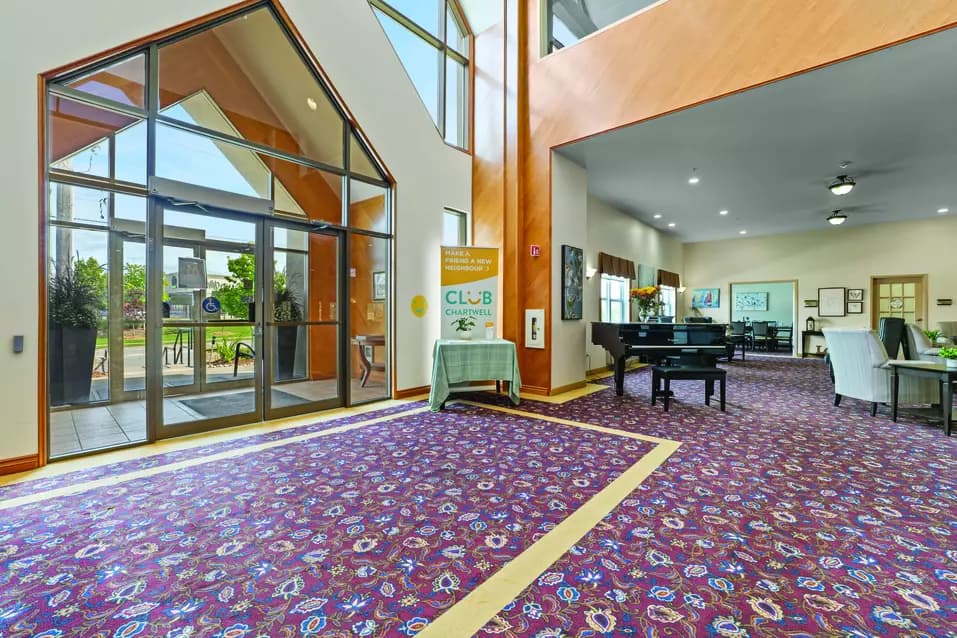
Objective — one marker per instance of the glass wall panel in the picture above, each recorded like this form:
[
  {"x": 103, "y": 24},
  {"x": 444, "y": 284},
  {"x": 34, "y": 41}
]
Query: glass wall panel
[
  {"x": 571, "y": 20},
  {"x": 196, "y": 159},
  {"x": 360, "y": 162},
  {"x": 253, "y": 84},
  {"x": 305, "y": 192},
  {"x": 421, "y": 60},
  {"x": 123, "y": 82},
  {"x": 455, "y": 36},
  {"x": 368, "y": 303},
  {"x": 425, "y": 13},
  {"x": 76, "y": 204},
  {"x": 83, "y": 138},
  {"x": 368, "y": 207},
  {"x": 456, "y": 103}
]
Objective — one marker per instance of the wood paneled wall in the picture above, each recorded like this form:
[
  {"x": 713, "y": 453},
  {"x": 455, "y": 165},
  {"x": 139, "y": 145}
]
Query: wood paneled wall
[{"x": 669, "y": 57}]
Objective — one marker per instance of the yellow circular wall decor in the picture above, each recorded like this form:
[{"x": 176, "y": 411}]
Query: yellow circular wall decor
[{"x": 419, "y": 305}]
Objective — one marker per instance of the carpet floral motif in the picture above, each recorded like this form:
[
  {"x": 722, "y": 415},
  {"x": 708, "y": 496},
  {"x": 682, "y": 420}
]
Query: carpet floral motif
[
  {"x": 370, "y": 532},
  {"x": 785, "y": 516}
]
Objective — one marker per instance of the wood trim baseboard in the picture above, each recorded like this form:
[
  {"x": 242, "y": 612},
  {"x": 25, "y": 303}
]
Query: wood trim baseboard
[
  {"x": 19, "y": 464},
  {"x": 535, "y": 390},
  {"x": 411, "y": 392},
  {"x": 607, "y": 368},
  {"x": 567, "y": 388}
]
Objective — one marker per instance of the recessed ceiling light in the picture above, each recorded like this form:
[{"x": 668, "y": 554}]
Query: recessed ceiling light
[
  {"x": 742, "y": 232},
  {"x": 943, "y": 211},
  {"x": 657, "y": 215},
  {"x": 311, "y": 103},
  {"x": 694, "y": 179},
  {"x": 671, "y": 224},
  {"x": 842, "y": 185},
  {"x": 722, "y": 212}
]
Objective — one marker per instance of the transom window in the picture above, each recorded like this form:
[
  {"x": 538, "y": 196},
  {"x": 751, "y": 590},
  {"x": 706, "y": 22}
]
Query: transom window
[
  {"x": 432, "y": 42},
  {"x": 454, "y": 228},
  {"x": 568, "y": 21}
]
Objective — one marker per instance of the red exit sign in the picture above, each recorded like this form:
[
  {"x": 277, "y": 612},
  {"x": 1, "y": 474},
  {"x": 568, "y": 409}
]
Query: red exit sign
[{"x": 535, "y": 250}]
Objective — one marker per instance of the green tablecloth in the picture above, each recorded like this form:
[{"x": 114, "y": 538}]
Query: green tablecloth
[{"x": 456, "y": 361}]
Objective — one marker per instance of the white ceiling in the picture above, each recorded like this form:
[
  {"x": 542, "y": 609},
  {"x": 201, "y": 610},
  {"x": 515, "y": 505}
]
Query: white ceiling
[{"x": 767, "y": 155}]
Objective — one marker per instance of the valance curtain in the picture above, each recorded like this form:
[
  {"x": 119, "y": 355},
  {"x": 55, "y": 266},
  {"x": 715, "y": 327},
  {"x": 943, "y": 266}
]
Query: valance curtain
[
  {"x": 670, "y": 279},
  {"x": 616, "y": 266}
]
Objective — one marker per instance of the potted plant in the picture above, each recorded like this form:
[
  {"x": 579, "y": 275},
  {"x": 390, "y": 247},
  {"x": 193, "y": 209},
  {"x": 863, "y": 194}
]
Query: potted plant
[
  {"x": 932, "y": 335},
  {"x": 463, "y": 327},
  {"x": 286, "y": 310},
  {"x": 73, "y": 302},
  {"x": 949, "y": 355}
]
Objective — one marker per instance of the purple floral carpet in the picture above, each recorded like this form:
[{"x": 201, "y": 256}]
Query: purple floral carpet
[
  {"x": 374, "y": 531},
  {"x": 784, "y": 516}
]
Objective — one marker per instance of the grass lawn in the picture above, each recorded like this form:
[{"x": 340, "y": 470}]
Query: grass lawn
[{"x": 233, "y": 333}]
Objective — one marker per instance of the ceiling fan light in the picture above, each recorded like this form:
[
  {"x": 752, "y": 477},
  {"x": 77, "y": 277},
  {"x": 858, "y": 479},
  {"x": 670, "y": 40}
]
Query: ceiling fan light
[
  {"x": 842, "y": 185},
  {"x": 836, "y": 218}
]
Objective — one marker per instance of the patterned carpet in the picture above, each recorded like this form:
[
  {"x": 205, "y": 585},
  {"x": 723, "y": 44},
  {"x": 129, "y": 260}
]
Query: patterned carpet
[{"x": 784, "y": 516}]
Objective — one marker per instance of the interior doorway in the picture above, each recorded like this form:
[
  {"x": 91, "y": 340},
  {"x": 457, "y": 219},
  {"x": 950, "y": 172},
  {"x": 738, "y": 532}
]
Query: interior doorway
[
  {"x": 765, "y": 313},
  {"x": 902, "y": 296}
]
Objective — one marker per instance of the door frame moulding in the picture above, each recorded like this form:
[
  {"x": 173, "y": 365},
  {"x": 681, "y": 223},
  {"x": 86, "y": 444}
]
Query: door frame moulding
[
  {"x": 875, "y": 310},
  {"x": 45, "y": 174}
]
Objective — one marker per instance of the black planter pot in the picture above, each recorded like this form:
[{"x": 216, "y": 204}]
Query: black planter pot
[
  {"x": 286, "y": 338},
  {"x": 70, "y": 357}
]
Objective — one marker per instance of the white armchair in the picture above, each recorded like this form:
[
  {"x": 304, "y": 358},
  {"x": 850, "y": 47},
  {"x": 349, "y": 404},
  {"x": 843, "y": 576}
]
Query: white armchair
[
  {"x": 861, "y": 371},
  {"x": 918, "y": 345}
]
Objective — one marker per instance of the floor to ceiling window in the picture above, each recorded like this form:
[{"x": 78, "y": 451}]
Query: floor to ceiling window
[
  {"x": 432, "y": 42},
  {"x": 219, "y": 241},
  {"x": 568, "y": 21}
]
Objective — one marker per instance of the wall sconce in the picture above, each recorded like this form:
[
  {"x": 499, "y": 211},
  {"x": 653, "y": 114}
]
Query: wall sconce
[
  {"x": 681, "y": 289},
  {"x": 590, "y": 272}
]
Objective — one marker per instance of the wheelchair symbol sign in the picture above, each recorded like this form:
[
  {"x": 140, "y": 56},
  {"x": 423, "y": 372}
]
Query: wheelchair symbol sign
[{"x": 211, "y": 305}]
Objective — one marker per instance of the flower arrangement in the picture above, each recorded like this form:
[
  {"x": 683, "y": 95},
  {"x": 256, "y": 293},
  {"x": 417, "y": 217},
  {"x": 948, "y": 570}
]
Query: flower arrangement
[
  {"x": 932, "y": 335},
  {"x": 647, "y": 299},
  {"x": 947, "y": 353}
]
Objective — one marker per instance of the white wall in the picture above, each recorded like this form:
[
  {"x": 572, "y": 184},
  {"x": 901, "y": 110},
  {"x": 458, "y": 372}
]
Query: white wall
[
  {"x": 350, "y": 45},
  {"x": 846, "y": 257},
  {"x": 582, "y": 220},
  {"x": 569, "y": 225}
]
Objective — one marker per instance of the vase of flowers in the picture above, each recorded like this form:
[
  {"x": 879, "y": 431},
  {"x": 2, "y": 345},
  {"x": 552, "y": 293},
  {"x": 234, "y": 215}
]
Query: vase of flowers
[
  {"x": 949, "y": 355},
  {"x": 646, "y": 300}
]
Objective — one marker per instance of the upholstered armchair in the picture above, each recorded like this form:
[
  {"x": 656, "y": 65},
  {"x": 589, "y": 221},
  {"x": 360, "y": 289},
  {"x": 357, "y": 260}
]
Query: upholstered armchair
[
  {"x": 861, "y": 371},
  {"x": 919, "y": 346}
]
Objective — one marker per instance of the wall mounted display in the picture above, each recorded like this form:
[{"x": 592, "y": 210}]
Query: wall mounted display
[
  {"x": 573, "y": 271},
  {"x": 832, "y": 302},
  {"x": 469, "y": 288},
  {"x": 378, "y": 285},
  {"x": 535, "y": 328},
  {"x": 810, "y": 303},
  {"x": 191, "y": 273},
  {"x": 855, "y": 307},
  {"x": 751, "y": 301},
  {"x": 705, "y": 297},
  {"x": 855, "y": 294}
]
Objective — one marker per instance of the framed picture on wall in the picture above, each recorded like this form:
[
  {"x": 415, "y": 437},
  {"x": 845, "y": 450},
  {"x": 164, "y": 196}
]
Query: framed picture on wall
[
  {"x": 855, "y": 307},
  {"x": 751, "y": 301},
  {"x": 706, "y": 298},
  {"x": 378, "y": 285},
  {"x": 831, "y": 302},
  {"x": 855, "y": 294},
  {"x": 573, "y": 270}
]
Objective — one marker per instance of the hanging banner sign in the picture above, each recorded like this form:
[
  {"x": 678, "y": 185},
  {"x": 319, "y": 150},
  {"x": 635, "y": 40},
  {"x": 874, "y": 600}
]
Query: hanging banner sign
[{"x": 469, "y": 290}]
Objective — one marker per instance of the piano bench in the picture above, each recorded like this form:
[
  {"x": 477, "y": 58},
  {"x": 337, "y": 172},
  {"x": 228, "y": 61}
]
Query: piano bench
[{"x": 668, "y": 373}]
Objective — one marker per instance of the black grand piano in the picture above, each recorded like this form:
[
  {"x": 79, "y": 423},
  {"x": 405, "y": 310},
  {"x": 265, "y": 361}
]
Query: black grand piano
[{"x": 654, "y": 342}]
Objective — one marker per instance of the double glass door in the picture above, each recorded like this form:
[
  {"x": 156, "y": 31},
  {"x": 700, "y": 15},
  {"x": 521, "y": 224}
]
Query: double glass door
[{"x": 250, "y": 320}]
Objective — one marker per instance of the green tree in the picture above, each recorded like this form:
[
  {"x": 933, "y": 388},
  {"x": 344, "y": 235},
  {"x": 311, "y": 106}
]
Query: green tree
[
  {"x": 239, "y": 285},
  {"x": 90, "y": 272}
]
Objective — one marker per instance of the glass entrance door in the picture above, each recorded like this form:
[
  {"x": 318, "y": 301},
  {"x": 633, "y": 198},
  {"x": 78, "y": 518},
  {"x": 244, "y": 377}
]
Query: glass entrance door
[
  {"x": 303, "y": 329},
  {"x": 209, "y": 351}
]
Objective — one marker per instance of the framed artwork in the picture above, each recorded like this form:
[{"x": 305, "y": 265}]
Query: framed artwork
[
  {"x": 855, "y": 294},
  {"x": 831, "y": 302},
  {"x": 573, "y": 267},
  {"x": 855, "y": 307},
  {"x": 751, "y": 301},
  {"x": 706, "y": 298},
  {"x": 378, "y": 285}
]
